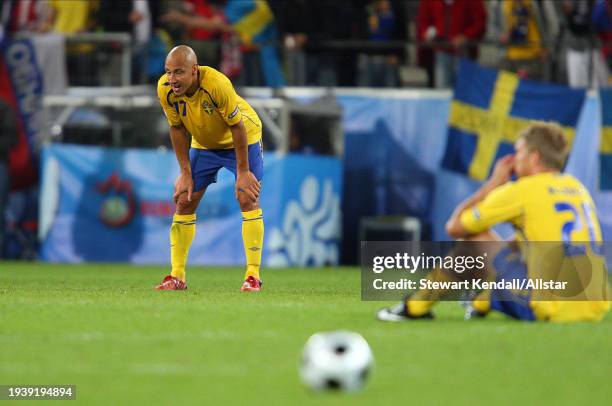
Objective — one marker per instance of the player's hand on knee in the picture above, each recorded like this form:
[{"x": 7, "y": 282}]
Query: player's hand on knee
[
  {"x": 248, "y": 184},
  {"x": 183, "y": 184}
]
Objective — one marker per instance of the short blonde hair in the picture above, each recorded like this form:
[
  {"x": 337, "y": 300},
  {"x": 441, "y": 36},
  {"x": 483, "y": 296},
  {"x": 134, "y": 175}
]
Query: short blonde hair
[{"x": 549, "y": 140}]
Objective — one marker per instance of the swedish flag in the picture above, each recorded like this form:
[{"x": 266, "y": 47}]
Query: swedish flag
[
  {"x": 605, "y": 146},
  {"x": 490, "y": 108},
  {"x": 254, "y": 22}
]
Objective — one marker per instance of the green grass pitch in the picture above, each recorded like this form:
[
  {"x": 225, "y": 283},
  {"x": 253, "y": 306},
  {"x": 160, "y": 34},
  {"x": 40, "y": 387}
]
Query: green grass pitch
[{"x": 103, "y": 328}]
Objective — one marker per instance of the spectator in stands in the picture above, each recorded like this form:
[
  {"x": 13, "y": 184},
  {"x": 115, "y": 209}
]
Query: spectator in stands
[
  {"x": 423, "y": 54},
  {"x": 312, "y": 33},
  {"x": 255, "y": 23},
  {"x": 250, "y": 73},
  {"x": 8, "y": 139},
  {"x": 116, "y": 15},
  {"x": 73, "y": 17},
  {"x": 24, "y": 15},
  {"x": 159, "y": 43},
  {"x": 132, "y": 17},
  {"x": 452, "y": 28},
  {"x": 521, "y": 31},
  {"x": 247, "y": 43},
  {"x": 204, "y": 24},
  {"x": 176, "y": 31},
  {"x": 142, "y": 20},
  {"x": 296, "y": 22},
  {"x": 214, "y": 40},
  {"x": 528, "y": 29},
  {"x": 380, "y": 69},
  {"x": 313, "y": 30},
  {"x": 224, "y": 49},
  {"x": 602, "y": 20},
  {"x": 336, "y": 21},
  {"x": 70, "y": 17},
  {"x": 584, "y": 59}
]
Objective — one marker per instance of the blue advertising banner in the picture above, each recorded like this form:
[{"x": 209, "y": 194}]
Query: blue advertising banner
[{"x": 103, "y": 204}]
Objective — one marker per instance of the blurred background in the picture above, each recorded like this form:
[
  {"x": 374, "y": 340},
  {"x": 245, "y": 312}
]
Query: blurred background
[{"x": 354, "y": 96}]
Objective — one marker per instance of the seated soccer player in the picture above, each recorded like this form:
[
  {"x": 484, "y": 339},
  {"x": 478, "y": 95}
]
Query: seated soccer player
[{"x": 543, "y": 205}]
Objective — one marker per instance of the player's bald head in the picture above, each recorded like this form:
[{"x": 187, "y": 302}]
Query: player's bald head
[
  {"x": 182, "y": 55},
  {"x": 182, "y": 69}
]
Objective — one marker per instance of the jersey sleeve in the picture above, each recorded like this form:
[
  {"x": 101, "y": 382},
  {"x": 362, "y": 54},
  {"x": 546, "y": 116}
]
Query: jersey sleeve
[
  {"x": 226, "y": 100},
  {"x": 171, "y": 114},
  {"x": 503, "y": 204}
]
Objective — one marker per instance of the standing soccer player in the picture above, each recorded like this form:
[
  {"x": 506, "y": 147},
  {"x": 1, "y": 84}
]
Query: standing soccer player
[{"x": 225, "y": 133}]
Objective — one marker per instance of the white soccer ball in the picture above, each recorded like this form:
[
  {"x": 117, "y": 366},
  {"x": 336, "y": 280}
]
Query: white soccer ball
[{"x": 337, "y": 360}]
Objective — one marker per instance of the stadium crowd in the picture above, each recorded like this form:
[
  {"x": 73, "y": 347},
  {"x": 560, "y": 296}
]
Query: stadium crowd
[{"x": 375, "y": 43}]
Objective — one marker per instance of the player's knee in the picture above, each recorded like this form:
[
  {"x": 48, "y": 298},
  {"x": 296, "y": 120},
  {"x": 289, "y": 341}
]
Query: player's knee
[
  {"x": 184, "y": 206},
  {"x": 246, "y": 204}
]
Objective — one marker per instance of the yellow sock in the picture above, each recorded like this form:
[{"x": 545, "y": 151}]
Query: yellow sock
[
  {"x": 182, "y": 232},
  {"x": 482, "y": 302},
  {"x": 252, "y": 238},
  {"x": 422, "y": 301},
  {"x": 417, "y": 307}
]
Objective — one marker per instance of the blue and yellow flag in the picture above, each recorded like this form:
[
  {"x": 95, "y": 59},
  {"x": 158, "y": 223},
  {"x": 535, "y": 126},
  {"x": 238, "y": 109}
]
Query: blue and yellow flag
[
  {"x": 489, "y": 110},
  {"x": 254, "y": 22},
  {"x": 605, "y": 145}
]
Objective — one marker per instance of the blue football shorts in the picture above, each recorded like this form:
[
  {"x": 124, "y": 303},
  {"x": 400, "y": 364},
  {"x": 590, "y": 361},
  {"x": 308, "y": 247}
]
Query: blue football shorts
[
  {"x": 509, "y": 265},
  {"x": 205, "y": 164}
]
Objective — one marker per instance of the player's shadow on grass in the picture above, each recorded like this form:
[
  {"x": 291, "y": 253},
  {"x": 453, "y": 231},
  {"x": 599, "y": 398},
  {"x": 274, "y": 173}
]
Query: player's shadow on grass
[{"x": 108, "y": 225}]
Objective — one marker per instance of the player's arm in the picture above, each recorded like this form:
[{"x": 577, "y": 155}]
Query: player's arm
[
  {"x": 180, "y": 143},
  {"x": 227, "y": 104},
  {"x": 501, "y": 175},
  {"x": 245, "y": 180}
]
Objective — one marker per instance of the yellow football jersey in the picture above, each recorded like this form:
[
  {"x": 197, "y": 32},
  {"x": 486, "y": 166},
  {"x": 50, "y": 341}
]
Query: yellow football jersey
[
  {"x": 549, "y": 207},
  {"x": 71, "y": 16},
  {"x": 512, "y": 12},
  {"x": 543, "y": 207},
  {"x": 210, "y": 111}
]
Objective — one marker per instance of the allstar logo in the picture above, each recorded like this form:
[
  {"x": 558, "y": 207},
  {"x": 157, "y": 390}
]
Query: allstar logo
[{"x": 207, "y": 107}]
